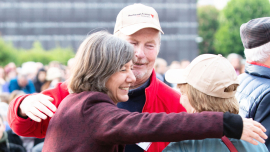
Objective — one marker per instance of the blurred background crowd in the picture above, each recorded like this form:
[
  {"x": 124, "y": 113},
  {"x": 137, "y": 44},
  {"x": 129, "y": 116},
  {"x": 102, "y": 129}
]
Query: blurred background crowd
[
  {"x": 31, "y": 77},
  {"x": 38, "y": 40}
]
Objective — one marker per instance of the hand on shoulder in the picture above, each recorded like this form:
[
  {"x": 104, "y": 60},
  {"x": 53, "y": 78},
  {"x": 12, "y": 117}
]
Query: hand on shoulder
[
  {"x": 253, "y": 130},
  {"x": 37, "y": 107}
]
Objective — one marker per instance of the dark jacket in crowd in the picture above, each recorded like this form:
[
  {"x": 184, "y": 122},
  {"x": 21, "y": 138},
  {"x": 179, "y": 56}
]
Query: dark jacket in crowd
[
  {"x": 95, "y": 123},
  {"x": 6, "y": 146},
  {"x": 253, "y": 95},
  {"x": 38, "y": 84},
  {"x": 15, "y": 139}
]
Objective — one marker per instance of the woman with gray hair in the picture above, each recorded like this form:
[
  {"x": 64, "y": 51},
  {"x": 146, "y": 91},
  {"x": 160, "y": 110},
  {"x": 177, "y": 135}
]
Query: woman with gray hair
[{"x": 89, "y": 120}]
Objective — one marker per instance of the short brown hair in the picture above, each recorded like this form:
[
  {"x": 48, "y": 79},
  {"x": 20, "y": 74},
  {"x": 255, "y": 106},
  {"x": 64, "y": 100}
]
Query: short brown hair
[
  {"x": 203, "y": 102},
  {"x": 99, "y": 56}
]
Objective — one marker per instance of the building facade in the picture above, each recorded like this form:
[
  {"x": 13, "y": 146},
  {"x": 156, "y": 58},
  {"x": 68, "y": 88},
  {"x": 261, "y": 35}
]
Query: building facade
[{"x": 66, "y": 23}]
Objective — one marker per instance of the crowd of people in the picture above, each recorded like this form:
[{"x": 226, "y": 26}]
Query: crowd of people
[
  {"x": 116, "y": 95},
  {"x": 31, "y": 77}
]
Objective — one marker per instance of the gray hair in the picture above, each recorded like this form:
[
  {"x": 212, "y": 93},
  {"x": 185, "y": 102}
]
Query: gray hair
[
  {"x": 258, "y": 54},
  {"x": 99, "y": 56},
  {"x": 232, "y": 56},
  {"x": 22, "y": 76}
]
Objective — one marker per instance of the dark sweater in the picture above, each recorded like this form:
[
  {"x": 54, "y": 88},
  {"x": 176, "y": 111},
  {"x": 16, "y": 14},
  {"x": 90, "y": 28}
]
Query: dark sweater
[
  {"x": 90, "y": 121},
  {"x": 135, "y": 103},
  {"x": 136, "y": 99}
]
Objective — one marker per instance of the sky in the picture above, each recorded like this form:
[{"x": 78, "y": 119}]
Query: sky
[{"x": 219, "y": 4}]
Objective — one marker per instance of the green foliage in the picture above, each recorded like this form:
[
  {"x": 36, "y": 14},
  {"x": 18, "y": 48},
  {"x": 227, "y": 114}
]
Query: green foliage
[
  {"x": 237, "y": 12},
  {"x": 208, "y": 24},
  {"x": 61, "y": 55},
  {"x": 7, "y": 53},
  {"x": 37, "y": 54}
]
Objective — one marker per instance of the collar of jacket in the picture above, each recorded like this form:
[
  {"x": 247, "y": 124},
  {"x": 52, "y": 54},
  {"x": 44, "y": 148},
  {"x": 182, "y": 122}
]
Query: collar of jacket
[
  {"x": 151, "y": 91},
  {"x": 257, "y": 70},
  {"x": 260, "y": 64},
  {"x": 140, "y": 90}
]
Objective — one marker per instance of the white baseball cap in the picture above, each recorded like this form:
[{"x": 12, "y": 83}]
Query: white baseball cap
[
  {"x": 208, "y": 73},
  {"x": 135, "y": 17}
]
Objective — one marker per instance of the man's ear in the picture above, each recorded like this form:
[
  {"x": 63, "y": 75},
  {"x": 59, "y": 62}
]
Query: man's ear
[{"x": 267, "y": 62}]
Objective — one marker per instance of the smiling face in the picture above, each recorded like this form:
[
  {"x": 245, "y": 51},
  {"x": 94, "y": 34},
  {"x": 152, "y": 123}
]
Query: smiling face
[
  {"x": 146, "y": 44},
  {"x": 119, "y": 83}
]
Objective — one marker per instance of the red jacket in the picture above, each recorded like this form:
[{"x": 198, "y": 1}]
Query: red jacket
[{"x": 159, "y": 98}]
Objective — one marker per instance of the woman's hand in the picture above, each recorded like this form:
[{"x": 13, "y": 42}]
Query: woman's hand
[
  {"x": 37, "y": 107},
  {"x": 253, "y": 130}
]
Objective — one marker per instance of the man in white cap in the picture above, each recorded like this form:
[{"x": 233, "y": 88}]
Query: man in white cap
[{"x": 139, "y": 25}]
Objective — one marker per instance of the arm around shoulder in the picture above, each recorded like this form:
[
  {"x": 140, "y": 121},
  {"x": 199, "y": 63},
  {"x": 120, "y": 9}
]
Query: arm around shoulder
[
  {"x": 119, "y": 126},
  {"x": 35, "y": 106}
]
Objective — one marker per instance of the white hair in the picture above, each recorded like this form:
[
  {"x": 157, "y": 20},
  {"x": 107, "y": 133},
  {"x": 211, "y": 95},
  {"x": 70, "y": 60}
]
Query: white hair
[
  {"x": 232, "y": 56},
  {"x": 258, "y": 54}
]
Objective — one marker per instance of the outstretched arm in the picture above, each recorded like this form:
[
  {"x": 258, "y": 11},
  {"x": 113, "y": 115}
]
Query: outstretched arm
[
  {"x": 148, "y": 127},
  {"x": 29, "y": 115}
]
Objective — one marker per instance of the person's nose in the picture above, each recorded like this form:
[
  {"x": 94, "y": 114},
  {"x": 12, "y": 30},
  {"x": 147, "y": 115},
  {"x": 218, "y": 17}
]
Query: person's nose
[
  {"x": 131, "y": 77},
  {"x": 139, "y": 52}
]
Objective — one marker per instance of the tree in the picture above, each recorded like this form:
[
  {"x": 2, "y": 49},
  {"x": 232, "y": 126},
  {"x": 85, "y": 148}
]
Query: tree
[
  {"x": 38, "y": 54},
  {"x": 208, "y": 24},
  {"x": 8, "y": 53},
  {"x": 227, "y": 38}
]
